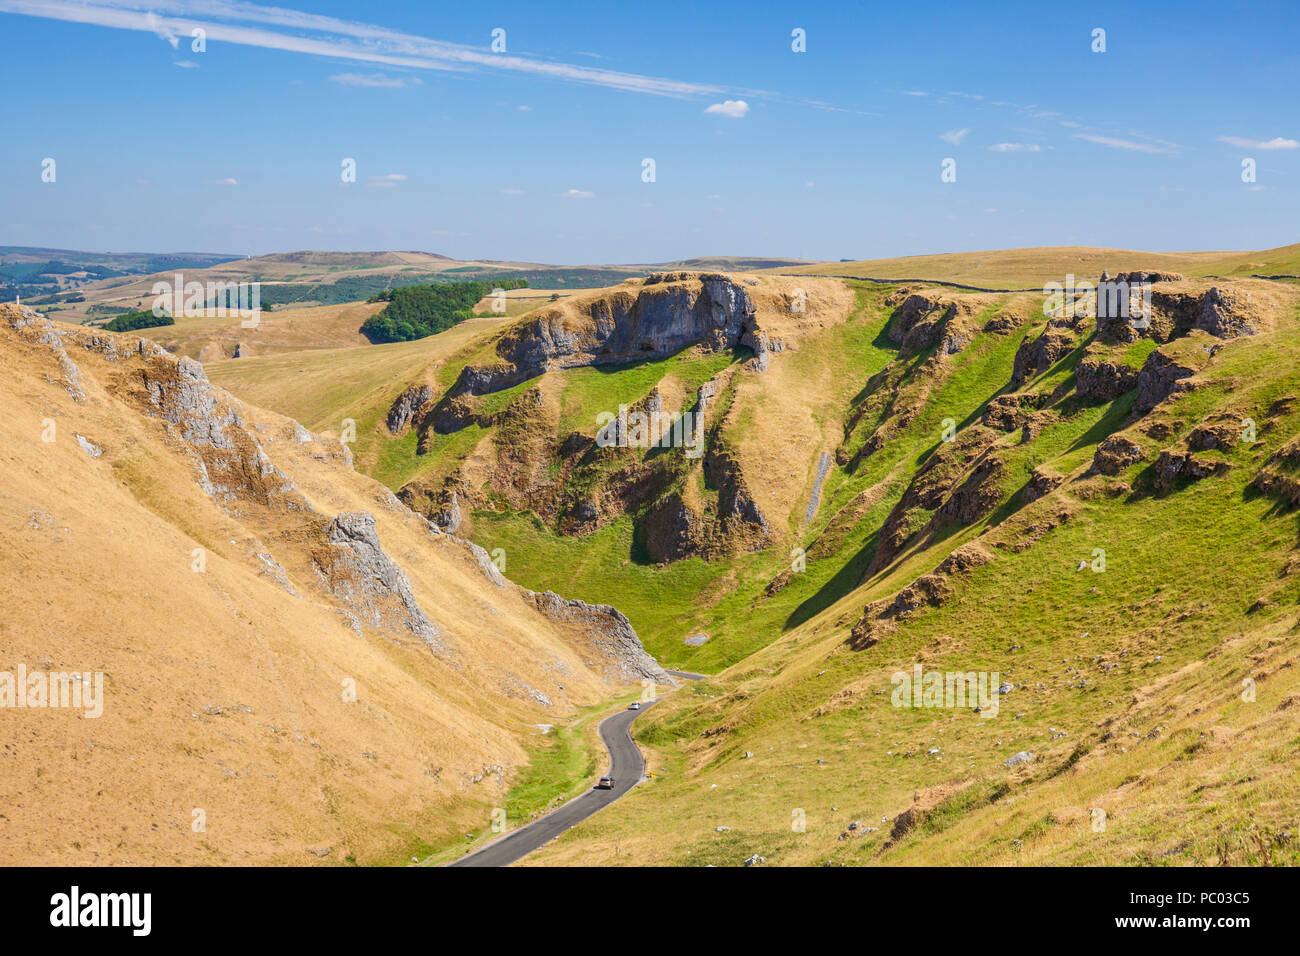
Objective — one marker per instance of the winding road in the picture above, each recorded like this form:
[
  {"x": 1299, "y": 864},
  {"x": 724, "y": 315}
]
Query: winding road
[{"x": 627, "y": 768}]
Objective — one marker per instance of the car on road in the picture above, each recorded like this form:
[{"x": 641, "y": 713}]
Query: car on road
[
  {"x": 606, "y": 783},
  {"x": 635, "y": 705}
]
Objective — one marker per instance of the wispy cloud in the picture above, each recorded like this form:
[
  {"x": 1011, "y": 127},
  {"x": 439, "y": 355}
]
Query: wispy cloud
[
  {"x": 186, "y": 64},
  {"x": 512, "y": 192},
  {"x": 733, "y": 108},
  {"x": 164, "y": 32},
  {"x": 388, "y": 180},
  {"x": 954, "y": 136},
  {"x": 377, "y": 80},
  {"x": 279, "y": 28},
  {"x": 1015, "y": 148},
  {"x": 1129, "y": 144},
  {"x": 228, "y": 181},
  {"x": 1276, "y": 142},
  {"x": 577, "y": 194}
]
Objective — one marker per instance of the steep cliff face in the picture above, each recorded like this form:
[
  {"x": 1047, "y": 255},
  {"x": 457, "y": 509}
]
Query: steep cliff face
[
  {"x": 665, "y": 458},
  {"x": 284, "y": 646},
  {"x": 666, "y": 314}
]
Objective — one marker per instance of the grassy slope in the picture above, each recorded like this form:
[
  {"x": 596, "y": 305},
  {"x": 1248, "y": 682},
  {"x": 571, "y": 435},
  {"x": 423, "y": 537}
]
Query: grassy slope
[
  {"x": 223, "y": 688},
  {"x": 1163, "y": 651},
  {"x": 725, "y": 599},
  {"x": 1162, "y": 641},
  {"x": 1030, "y": 268}
]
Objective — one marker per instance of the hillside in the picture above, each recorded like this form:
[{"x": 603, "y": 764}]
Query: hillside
[
  {"x": 311, "y": 278},
  {"x": 1031, "y": 268},
  {"x": 832, "y": 538},
  {"x": 295, "y": 668},
  {"x": 1109, "y": 539}
]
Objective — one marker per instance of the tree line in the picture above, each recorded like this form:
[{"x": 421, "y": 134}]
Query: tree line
[{"x": 416, "y": 311}]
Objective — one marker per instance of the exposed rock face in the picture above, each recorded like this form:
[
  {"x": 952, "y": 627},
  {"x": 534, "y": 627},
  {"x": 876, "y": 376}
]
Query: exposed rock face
[
  {"x": 675, "y": 530},
  {"x": 1036, "y": 356},
  {"x": 1004, "y": 323},
  {"x": 1009, "y": 412},
  {"x": 1116, "y": 453},
  {"x": 448, "y": 519},
  {"x": 370, "y": 584},
  {"x": 668, "y": 313},
  {"x": 922, "y": 320},
  {"x": 1148, "y": 276},
  {"x": 672, "y": 530},
  {"x": 407, "y": 406},
  {"x": 1103, "y": 379},
  {"x": 610, "y": 632},
  {"x": 1162, "y": 375},
  {"x": 1175, "y": 464},
  {"x": 1221, "y": 433},
  {"x": 975, "y": 497},
  {"x": 1041, "y": 482},
  {"x": 37, "y": 329},
  {"x": 1227, "y": 314},
  {"x": 1276, "y": 478}
]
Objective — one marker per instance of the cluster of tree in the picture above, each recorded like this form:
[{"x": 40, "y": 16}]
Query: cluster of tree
[
  {"x": 58, "y": 297},
  {"x": 416, "y": 311},
  {"x": 143, "y": 319}
]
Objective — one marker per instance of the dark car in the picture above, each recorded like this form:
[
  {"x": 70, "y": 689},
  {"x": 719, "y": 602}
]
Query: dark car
[{"x": 606, "y": 783}]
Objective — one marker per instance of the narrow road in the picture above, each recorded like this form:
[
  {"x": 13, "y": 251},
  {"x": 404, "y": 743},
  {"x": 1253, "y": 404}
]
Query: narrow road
[{"x": 625, "y": 766}]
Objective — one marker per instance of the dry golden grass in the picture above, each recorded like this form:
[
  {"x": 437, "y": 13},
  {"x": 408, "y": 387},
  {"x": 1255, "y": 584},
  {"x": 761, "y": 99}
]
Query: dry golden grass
[
  {"x": 224, "y": 692},
  {"x": 1031, "y": 268}
]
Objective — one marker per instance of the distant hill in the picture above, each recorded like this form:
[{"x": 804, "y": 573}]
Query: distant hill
[
  {"x": 1031, "y": 268},
  {"x": 306, "y": 278},
  {"x": 53, "y": 276}
]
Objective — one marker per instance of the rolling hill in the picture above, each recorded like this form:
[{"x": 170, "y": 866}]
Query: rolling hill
[
  {"x": 291, "y": 666},
  {"x": 902, "y": 475}
]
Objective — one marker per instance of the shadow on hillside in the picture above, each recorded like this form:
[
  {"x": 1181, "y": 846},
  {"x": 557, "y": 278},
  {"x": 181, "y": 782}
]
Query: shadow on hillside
[{"x": 845, "y": 580}]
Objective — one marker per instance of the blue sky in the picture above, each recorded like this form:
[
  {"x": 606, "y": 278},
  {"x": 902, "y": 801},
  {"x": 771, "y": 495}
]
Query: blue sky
[{"x": 536, "y": 154}]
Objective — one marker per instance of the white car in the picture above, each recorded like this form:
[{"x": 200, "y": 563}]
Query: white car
[{"x": 635, "y": 705}]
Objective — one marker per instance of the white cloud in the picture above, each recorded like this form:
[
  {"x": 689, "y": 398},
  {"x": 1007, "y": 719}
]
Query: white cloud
[
  {"x": 186, "y": 64},
  {"x": 388, "y": 180},
  {"x": 1276, "y": 142},
  {"x": 577, "y": 194},
  {"x": 280, "y": 28},
  {"x": 228, "y": 181},
  {"x": 1015, "y": 147},
  {"x": 163, "y": 31},
  {"x": 524, "y": 109},
  {"x": 733, "y": 108},
  {"x": 375, "y": 80},
  {"x": 1114, "y": 143},
  {"x": 512, "y": 192},
  {"x": 954, "y": 136}
]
